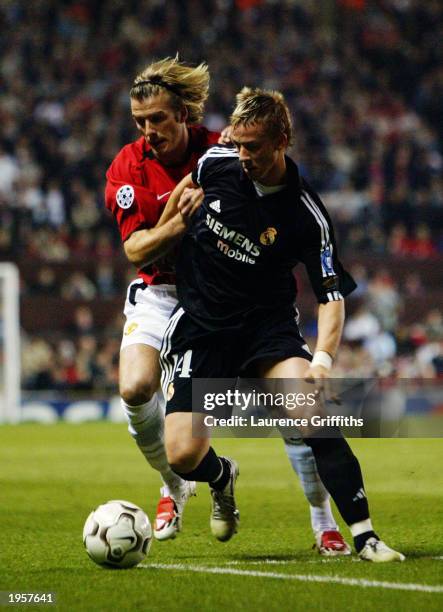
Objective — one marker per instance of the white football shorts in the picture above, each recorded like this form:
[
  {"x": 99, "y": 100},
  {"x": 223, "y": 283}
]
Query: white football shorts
[{"x": 147, "y": 311}]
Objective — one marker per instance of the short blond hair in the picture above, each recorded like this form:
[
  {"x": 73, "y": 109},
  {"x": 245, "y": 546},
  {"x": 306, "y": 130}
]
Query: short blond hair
[
  {"x": 265, "y": 106},
  {"x": 186, "y": 85}
]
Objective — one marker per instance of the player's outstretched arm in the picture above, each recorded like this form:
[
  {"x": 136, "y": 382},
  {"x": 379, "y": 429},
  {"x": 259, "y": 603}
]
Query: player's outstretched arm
[
  {"x": 178, "y": 203},
  {"x": 147, "y": 245},
  {"x": 331, "y": 317}
]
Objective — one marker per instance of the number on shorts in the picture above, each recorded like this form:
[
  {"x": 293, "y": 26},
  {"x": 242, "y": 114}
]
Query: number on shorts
[{"x": 184, "y": 365}]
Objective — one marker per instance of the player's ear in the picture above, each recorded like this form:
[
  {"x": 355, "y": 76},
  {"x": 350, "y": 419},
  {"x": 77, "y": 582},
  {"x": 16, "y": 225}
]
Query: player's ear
[{"x": 282, "y": 142}]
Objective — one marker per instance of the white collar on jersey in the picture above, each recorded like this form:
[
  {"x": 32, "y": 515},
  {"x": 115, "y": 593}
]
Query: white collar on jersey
[{"x": 264, "y": 190}]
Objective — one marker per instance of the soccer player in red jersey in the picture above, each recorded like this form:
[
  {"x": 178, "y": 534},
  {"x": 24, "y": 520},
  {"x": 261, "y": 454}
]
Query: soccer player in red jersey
[{"x": 167, "y": 100}]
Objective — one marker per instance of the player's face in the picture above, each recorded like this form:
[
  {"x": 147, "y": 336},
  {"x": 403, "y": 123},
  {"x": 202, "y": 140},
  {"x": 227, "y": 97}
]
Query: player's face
[
  {"x": 260, "y": 156},
  {"x": 163, "y": 126}
]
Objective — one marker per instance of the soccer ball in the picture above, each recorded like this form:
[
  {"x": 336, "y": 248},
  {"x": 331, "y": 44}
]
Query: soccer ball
[{"x": 117, "y": 534}]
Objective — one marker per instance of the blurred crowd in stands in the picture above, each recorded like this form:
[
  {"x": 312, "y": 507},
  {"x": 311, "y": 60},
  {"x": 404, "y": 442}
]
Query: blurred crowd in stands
[{"x": 364, "y": 81}]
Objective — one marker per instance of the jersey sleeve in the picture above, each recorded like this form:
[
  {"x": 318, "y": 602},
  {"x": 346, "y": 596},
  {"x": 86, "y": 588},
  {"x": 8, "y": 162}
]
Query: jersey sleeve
[
  {"x": 195, "y": 174},
  {"x": 328, "y": 278},
  {"x": 212, "y": 160},
  {"x": 133, "y": 205}
]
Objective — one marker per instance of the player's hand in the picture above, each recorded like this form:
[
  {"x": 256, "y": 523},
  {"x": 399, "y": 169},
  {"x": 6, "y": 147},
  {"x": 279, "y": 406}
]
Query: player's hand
[
  {"x": 318, "y": 375},
  {"x": 189, "y": 202},
  {"x": 225, "y": 136}
]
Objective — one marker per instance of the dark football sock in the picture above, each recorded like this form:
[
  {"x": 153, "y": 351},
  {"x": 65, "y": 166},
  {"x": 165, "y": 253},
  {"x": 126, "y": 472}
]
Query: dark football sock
[
  {"x": 212, "y": 469},
  {"x": 360, "y": 540},
  {"x": 340, "y": 472},
  {"x": 220, "y": 483}
]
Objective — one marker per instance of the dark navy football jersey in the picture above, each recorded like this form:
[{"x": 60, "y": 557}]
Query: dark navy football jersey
[{"x": 238, "y": 256}]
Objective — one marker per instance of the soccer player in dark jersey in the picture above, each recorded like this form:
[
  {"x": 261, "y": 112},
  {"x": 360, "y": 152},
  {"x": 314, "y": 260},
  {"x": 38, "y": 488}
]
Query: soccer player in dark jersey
[
  {"x": 167, "y": 101},
  {"x": 258, "y": 218}
]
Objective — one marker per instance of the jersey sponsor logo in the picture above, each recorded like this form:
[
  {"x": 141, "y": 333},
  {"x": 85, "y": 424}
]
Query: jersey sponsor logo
[
  {"x": 229, "y": 234},
  {"x": 215, "y": 205},
  {"x": 234, "y": 253},
  {"x": 125, "y": 196},
  {"x": 268, "y": 236},
  {"x": 326, "y": 261},
  {"x": 163, "y": 195}
]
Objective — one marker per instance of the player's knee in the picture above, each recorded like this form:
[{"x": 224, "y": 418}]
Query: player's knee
[
  {"x": 315, "y": 493},
  {"x": 136, "y": 390},
  {"x": 182, "y": 458}
]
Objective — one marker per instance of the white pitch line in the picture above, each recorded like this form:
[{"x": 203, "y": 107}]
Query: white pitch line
[
  {"x": 359, "y": 582},
  {"x": 289, "y": 561}
]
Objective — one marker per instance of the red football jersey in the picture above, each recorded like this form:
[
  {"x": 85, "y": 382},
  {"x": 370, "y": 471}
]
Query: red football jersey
[{"x": 138, "y": 187}]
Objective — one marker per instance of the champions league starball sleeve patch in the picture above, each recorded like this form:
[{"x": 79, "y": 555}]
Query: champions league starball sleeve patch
[{"x": 125, "y": 196}]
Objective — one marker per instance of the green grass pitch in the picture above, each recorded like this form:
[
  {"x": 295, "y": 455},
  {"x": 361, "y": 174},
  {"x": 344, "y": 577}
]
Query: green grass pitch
[{"x": 51, "y": 477}]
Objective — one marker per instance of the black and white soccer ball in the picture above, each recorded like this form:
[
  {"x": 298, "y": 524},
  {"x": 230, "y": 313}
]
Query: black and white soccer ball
[{"x": 117, "y": 534}]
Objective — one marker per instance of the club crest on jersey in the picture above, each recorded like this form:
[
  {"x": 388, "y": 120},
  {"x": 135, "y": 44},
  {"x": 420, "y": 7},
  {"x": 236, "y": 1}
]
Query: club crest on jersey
[
  {"x": 326, "y": 261},
  {"x": 125, "y": 196},
  {"x": 268, "y": 236}
]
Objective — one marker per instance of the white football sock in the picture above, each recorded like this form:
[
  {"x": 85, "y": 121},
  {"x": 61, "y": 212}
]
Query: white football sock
[
  {"x": 361, "y": 527},
  {"x": 146, "y": 426},
  {"x": 303, "y": 463},
  {"x": 322, "y": 518}
]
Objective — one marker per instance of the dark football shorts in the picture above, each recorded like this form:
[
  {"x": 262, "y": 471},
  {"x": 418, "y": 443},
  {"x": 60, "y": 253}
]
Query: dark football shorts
[{"x": 190, "y": 351}]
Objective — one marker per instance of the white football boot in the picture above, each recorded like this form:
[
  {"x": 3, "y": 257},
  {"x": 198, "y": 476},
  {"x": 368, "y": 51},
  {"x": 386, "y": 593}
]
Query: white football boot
[
  {"x": 168, "y": 521},
  {"x": 378, "y": 552},
  {"x": 225, "y": 516}
]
